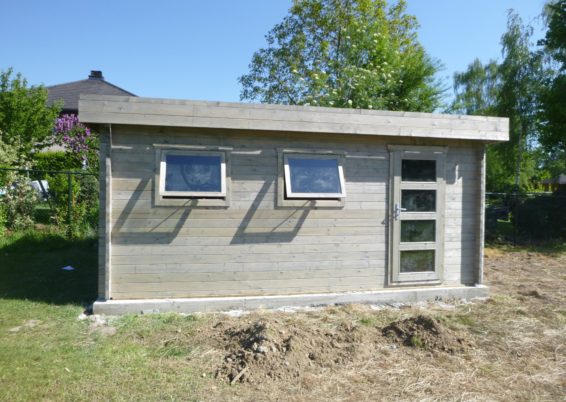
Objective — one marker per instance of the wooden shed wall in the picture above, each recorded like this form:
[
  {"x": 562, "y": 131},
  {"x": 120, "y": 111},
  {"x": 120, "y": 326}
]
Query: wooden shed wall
[{"x": 254, "y": 248}]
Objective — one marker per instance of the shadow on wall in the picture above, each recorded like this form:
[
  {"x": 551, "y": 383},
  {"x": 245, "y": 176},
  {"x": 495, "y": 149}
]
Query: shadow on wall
[
  {"x": 156, "y": 234},
  {"x": 31, "y": 269},
  {"x": 285, "y": 231},
  {"x": 139, "y": 225}
]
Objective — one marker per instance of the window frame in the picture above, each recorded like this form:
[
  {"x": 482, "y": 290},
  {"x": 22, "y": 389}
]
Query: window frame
[
  {"x": 191, "y": 194},
  {"x": 191, "y": 198},
  {"x": 290, "y": 194},
  {"x": 308, "y": 201}
]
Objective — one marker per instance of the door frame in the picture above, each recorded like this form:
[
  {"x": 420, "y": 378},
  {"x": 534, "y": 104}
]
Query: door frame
[{"x": 396, "y": 154}]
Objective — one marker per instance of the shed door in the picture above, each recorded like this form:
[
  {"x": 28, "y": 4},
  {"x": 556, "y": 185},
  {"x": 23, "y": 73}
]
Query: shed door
[{"x": 417, "y": 215}]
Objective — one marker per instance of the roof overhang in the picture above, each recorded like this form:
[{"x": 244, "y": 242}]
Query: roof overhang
[{"x": 104, "y": 109}]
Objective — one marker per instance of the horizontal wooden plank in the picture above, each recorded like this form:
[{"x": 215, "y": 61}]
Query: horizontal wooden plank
[
  {"x": 187, "y": 267},
  {"x": 145, "y": 111},
  {"x": 120, "y": 294},
  {"x": 236, "y": 232},
  {"x": 251, "y": 285},
  {"x": 179, "y": 240},
  {"x": 178, "y": 212},
  {"x": 120, "y": 207},
  {"x": 243, "y": 258},
  {"x": 242, "y": 276},
  {"x": 237, "y": 249},
  {"x": 295, "y": 222}
]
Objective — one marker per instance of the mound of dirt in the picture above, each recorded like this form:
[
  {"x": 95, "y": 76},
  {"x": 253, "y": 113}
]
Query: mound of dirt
[
  {"x": 278, "y": 349},
  {"x": 426, "y": 333}
]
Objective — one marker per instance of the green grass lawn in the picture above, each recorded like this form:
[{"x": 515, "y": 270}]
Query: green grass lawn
[{"x": 46, "y": 353}]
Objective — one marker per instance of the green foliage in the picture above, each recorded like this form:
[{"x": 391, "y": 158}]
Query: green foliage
[
  {"x": 7, "y": 159},
  {"x": 3, "y": 218},
  {"x": 55, "y": 160},
  {"x": 417, "y": 342},
  {"x": 477, "y": 89},
  {"x": 84, "y": 202},
  {"x": 542, "y": 217},
  {"x": 511, "y": 89},
  {"x": 555, "y": 39},
  {"x": 18, "y": 203},
  {"x": 7, "y": 153},
  {"x": 345, "y": 53},
  {"x": 553, "y": 133},
  {"x": 26, "y": 122}
]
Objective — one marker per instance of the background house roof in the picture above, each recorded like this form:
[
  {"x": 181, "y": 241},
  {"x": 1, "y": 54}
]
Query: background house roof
[{"x": 69, "y": 92}]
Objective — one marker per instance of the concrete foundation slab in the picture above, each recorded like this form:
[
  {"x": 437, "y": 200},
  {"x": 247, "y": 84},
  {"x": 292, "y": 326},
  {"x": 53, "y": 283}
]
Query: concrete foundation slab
[{"x": 210, "y": 304}]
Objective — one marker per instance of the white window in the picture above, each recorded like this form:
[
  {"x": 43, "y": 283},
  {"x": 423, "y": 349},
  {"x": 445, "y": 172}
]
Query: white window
[
  {"x": 310, "y": 179},
  {"x": 198, "y": 174},
  {"x": 313, "y": 176},
  {"x": 192, "y": 176}
]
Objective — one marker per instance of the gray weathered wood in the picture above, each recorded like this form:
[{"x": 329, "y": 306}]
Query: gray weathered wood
[
  {"x": 254, "y": 247},
  {"x": 161, "y": 112}
]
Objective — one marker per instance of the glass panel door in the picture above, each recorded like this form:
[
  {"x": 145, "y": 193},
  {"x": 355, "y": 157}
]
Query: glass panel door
[{"x": 417, "y": 210}]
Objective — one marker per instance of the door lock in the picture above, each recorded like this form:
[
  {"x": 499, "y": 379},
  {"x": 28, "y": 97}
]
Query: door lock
[{"x": 397, "y": 211}]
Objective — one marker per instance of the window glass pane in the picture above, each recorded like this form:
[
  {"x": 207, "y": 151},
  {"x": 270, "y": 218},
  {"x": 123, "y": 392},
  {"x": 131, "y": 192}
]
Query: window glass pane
[
  {"x": 417, "y": 261},
  {"x": 418, "y": 170},
  {"x": 193, "y": 173},
  {"x": 314, "y": 175},
  {"x": 418, "y": 200},
  {"x": 412, "y": 231}
]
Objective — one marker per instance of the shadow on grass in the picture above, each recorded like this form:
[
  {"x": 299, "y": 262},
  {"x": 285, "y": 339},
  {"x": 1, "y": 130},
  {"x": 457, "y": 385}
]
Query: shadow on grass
[
  {"x": 30, "y": 268},
  {"x": 550, "y": 248}
]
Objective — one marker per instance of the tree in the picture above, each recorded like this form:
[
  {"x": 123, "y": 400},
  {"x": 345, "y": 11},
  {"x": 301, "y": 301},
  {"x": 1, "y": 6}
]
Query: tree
[
  {"x": 345, "y": 53},
  {"x": 553, "y": 132},
  {"x": 476, "y": 89},
  {"x": 509, "y": 89},
  {"x": 26, "y": 122}
]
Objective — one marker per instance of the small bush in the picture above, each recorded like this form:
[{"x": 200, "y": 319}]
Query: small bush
[
  {"x": 19, "y": 203},
  {"x": 55, "y": 160},
  {"x": 3, "y": 217},
  {"x": 84, "y": 202},
  {"x": 542, "y": 217}
]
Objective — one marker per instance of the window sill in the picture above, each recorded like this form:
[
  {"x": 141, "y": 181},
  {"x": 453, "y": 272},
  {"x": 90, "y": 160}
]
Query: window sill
[
  {"x": 310, "y": 203},
  {"x": 160, "y": 201}
]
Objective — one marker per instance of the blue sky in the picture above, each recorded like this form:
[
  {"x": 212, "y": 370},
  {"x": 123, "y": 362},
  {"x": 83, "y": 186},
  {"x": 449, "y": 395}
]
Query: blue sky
[{"x": 196, "y": 49}]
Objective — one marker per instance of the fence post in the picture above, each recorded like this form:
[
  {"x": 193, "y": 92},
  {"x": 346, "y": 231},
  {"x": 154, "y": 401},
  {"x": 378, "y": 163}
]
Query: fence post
[
  {"x": 70, "y": 206},
  {"x": 515, "y": 214}
]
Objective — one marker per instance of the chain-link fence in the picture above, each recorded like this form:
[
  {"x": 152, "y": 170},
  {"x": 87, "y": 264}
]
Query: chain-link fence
[
  {"x": 65, "y": 199},
  {"x": 525, "y": 217}
]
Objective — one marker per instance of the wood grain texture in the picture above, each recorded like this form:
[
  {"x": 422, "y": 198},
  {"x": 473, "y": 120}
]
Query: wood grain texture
[
  {"x": 105, "y": 214},
  {"x": 254, "y": 247},
  {"x": 162, "y": 112}
]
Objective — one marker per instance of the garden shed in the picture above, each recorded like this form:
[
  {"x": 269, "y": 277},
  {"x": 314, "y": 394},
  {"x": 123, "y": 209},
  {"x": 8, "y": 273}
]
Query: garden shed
[{"x": 214, "y": 206}]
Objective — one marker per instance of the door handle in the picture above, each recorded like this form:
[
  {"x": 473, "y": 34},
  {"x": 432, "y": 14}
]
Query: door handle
[{"x": 397, "y": 211}]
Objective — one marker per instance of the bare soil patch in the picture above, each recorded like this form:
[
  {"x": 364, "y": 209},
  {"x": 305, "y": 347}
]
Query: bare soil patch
[
  {"x": 510, "y": 347},
  {"x": 427, "y": 333},
  {"x": 278, "y": 348}
]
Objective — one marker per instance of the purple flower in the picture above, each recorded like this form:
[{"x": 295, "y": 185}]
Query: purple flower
[{"x": 73, "y": 135}]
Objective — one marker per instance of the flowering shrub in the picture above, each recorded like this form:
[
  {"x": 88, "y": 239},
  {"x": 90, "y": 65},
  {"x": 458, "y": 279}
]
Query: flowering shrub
[
  {"x": 18, "y": 203},
  {"x": 77, "y": 139}
]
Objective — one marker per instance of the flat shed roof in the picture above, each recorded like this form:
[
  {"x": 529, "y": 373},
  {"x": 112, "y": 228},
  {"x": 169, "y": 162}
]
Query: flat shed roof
[{"x": 103, "y": 109}]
